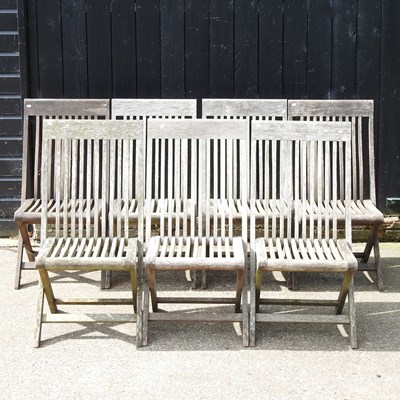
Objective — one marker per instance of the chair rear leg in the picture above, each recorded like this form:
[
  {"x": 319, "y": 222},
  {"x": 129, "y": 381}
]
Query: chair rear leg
[
  {"x": 105, "y": 280},
  {"x": 258, "y": 289},
  {"x": 18, "y": 269},
  {"x": 372, "y": 237},
  {"x": 378, "y": 267},
  {"x": 151, "y": 280},
  {"x": 239, "y": 289},
  {"x": 145, "y": 314},
  {"x": 344, "y": 290},
  {"x": 24, "y": 241}
]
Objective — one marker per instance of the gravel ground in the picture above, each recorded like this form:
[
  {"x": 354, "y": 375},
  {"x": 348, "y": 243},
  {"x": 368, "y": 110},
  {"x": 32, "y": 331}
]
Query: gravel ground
[{"x": 201, "y": 361}]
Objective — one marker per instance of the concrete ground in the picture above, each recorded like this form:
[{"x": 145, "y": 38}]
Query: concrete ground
[{"x": 201, "y": 361}]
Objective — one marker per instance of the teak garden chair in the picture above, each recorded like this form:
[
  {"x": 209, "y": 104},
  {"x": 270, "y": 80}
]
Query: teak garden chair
[
  {"x": 35, "y": 112},
  {"x": 139, "y": 109},
  {"x": 194, "y": 165},
  {"x": 92, "y": 167},
  {"x": 252, "y": 110},
  {"x": 307, "y": 240},
  {"x": 363, "y": 196}
]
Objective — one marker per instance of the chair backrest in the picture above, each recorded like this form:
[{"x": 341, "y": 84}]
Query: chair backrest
[
  {"x": 98, "y": 168},
  {"x": 256, "y": 109},
  {"x": 190, "y": 165},
  {"x": 361, "y": 114},
  {"x": 313, "y": 206},
  {"x": 153, "y": 108},
  {"x": 38, "y": 110}
]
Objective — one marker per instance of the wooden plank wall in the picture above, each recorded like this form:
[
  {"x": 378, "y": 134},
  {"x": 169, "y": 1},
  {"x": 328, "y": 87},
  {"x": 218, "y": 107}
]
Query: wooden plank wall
[
  {"x": 10, "y": 117},
  {"x": 333, "y": 49}
]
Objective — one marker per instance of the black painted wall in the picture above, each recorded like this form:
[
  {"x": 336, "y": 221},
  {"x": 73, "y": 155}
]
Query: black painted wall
[
  {"x": 317, "y": 49},
  {"x": 10, "y": 117}
]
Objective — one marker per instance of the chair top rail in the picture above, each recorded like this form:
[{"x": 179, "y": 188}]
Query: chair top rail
[
  {"x": 301, "y": 130},
  {"x": 153, "y": 108},
  {"x": 330, "y": 108},
  {"x": 67, "y": 107},
  {"x": 99, "y": 129},
  {"x": 244, "y": 108},
  {"x": 196, "y": 129}
]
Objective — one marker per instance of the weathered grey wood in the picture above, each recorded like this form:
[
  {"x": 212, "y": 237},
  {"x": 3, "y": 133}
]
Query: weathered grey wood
[
  {"x": 89, "y": 240},
  {"x": 195, "y": 317},
  {"x": 139, "y": 108},
  {"x": 361, "y": 114},
  {"x": 303, "y": 319},
  {"x": 254, "y": 108},
  {"x": 306, "y": 240},
  {"x": 35, "y": 111},
  {"x": 199, "y": 240}
]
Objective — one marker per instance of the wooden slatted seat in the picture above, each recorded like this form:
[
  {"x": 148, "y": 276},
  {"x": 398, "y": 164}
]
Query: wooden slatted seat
[
  {"x": 191, "y": 151},
  {"x": 35, "y": 112},
  {"x": 363, "y": 198},
  {"x": 307, "y": 241},
  {"x": 91, "y": 166}
]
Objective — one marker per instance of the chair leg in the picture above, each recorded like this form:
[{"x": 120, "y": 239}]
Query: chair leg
[
  {"x": 48, "y": 290},
  {"x": 24, "y": 241},
  {"x": 252, "y": 318},
  {"x": 347, "y": 279},
  {"x": 291, "y": 281},
  {"x": 39, "y": 316},
  {"x": 239, "y": 289},
  {"x": 139, "y": 297},
  {"x": 18, "y": 269},
  {"x": 352, "y": 314},
  {"x": 245, "y": 308},
  {"x": 146, "y": 306},
  {"x": 105, "y": 280},
  {"x": 151, "y": 279},
  {"x": 378, "y": 267},
  {"x": 372, "y": 237},
  {"x": 258, "y": 289},
  {"x": 134, "y": 289}
]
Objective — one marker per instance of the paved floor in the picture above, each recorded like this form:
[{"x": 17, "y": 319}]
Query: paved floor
[{"x": 202, "y": 361}]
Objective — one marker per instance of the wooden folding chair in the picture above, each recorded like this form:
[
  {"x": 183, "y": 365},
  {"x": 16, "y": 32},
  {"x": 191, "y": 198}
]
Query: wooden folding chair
[
  {"x": 92, "y": 167},
  {"x": 308, "y": 240},
  {"x": 139, "y": 109},
  {"x": 35, "y": 112},
  {"x": 363, "y": 196},
  {"x": 194, "y": 165},
  {"x": 252, "y": 110}
]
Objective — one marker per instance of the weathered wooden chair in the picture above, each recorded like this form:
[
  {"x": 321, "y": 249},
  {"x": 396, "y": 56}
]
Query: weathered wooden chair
[
  {"x": 92, "y": 165},
  {"x": 245, "y": 109},
  {"x": 194, "y": 165},
  {"x": 138, "y": 109},
  {"x": 363, "y": 196},
  {"x": 35, "y": 112},
  {"x": 302, "y": 242}
]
